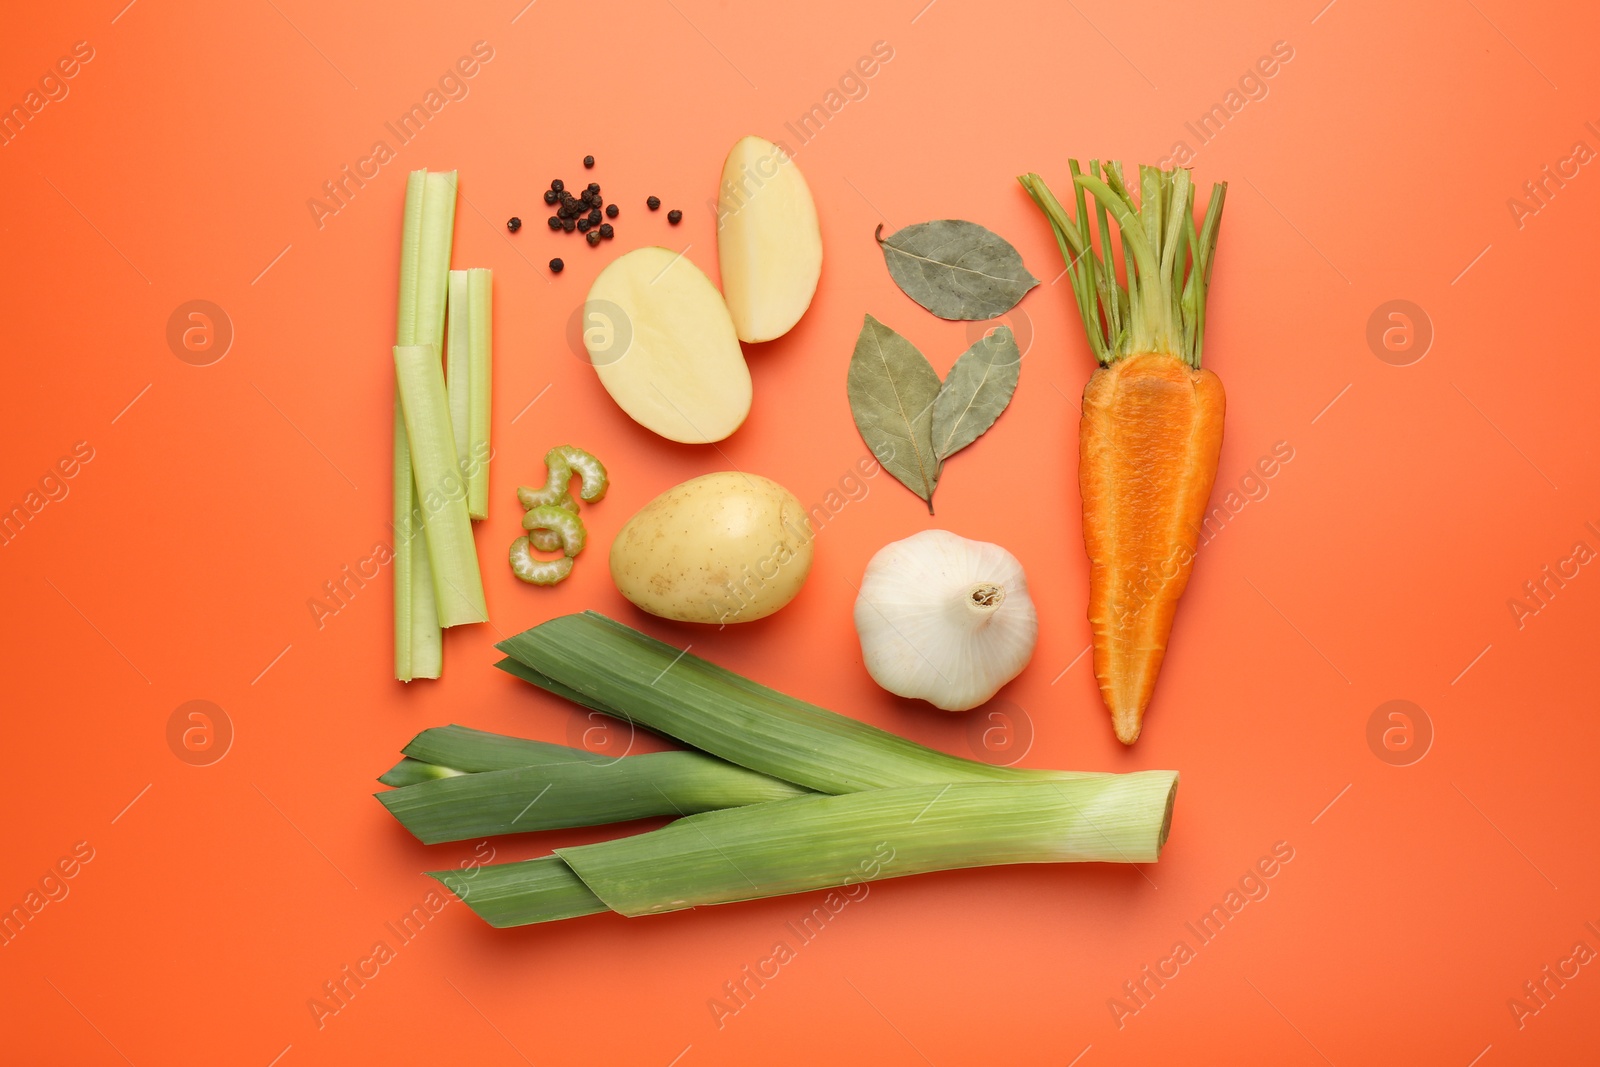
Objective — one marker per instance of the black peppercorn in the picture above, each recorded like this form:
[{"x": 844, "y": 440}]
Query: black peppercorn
[
  {"x": 652, "y": 202},
  {"x": 592, "y": 187},
  {"x": 588, "y": 161},
  {"x": 549, "y": 196},
  {"x": 612, "y": 211},
  {"x": 554, "y": 221},
  {"x": 593, "y": 237},
  {"x": 584, "y": 225},
  {"x": 513, "y": 224},
  {"x": 606, "y": 231},
  {"x": 556, "y": 266},
  {"x": 674, "y": 216},
  {"x": 568, "y": 225},
  {"x": 558, "y": 185},
  {"x": 594, "y": 217}
]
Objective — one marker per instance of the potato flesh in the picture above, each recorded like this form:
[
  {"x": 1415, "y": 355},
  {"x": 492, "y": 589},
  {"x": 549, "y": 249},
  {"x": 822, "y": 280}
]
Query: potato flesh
[
  {"x": 663, "y": 344},
  {"x": 721, "y": 548},
  {"x": 769, "y": 244}
]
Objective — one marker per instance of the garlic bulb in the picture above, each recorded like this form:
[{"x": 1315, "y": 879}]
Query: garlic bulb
[{"x": 945, "y": 619}]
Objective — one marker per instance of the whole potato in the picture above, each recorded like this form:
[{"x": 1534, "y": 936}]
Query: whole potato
[{"x": 721, "y": 548}]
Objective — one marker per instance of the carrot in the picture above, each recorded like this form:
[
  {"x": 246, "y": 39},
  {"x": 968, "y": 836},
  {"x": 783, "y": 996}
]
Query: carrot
[{"x": 1151, "y": 425}]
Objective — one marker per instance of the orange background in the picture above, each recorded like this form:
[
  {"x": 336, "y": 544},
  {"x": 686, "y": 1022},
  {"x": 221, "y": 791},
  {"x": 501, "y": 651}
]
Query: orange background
[{"x": 1378, "y": 567}]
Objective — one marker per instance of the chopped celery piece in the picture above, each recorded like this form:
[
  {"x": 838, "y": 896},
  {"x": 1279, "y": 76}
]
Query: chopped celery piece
[
  {"x": 480, "y": 359},
  {"x": 457, "y": 583},
  {"x": 577, "y": 793}
]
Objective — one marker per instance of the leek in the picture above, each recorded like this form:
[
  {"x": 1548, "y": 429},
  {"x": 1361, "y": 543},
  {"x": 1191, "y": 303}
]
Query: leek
[
  {"x": 606, "y": 665},
  {"x": 411, "y": 771},
  {"x": 555, "y": 796},
  {"x": 515, "y": 894},
  {"x": 471, "y": 750},
  {"x": 462, "y": 783},
  {"x": 818, "y": 842},
  {"x": 882, "y": 806}
]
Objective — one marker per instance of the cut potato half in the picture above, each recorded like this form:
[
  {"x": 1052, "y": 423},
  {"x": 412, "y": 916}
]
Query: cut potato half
[
  {"x": 661, "y": 339},
  {"x": 769, "y": 245}
]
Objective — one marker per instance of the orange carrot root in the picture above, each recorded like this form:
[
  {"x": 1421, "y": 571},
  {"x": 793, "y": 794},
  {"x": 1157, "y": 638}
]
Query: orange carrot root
[
  {"x": 1148, "y": 445},
  {"x": 1152, "y": 419}
]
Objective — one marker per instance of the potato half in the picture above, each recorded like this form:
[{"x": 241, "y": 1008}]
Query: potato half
[
  {"x": 769, "y": 244},
  {"x": 661, "y": 339}
]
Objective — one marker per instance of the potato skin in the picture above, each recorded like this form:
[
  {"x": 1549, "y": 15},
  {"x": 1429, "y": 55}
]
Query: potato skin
[{"x": 722, "y": 548}]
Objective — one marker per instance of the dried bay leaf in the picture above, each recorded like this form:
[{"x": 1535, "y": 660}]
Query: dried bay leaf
[
  {"x": 892, "y": 390},
  {"x": 956, "y": 269},
  {"x": 975, "y": 392}
]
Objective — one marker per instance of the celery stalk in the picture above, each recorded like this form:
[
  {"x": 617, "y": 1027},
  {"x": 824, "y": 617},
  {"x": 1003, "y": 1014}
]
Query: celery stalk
[
  {"x": 457, "y": 373},
  {"x": 424, "y": 264},
  {"x": 457, "y": 583},
  {"x": 418, "y": 651},
  {"x": 480, "y": 361}
]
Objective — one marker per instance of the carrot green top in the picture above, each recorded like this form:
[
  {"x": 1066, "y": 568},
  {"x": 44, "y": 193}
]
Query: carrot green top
[{"x": 1162, "y": 306}]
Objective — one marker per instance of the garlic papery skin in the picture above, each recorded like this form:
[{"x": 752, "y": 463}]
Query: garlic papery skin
[{"x": 945, "y": 619}]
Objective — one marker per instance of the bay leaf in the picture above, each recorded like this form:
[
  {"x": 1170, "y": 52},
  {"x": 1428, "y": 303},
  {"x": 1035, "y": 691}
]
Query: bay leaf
[
  {"x": 892, "y": 389},
  {"x": 975, "y": 392},
  {"x": 956, "y": 269}
]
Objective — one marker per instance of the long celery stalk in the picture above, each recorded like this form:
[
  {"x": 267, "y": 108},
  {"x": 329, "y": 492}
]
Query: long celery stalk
[{"x": 425, "y": 240}]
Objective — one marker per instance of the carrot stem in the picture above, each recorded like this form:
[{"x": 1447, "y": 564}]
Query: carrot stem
[{"x": 1159, "y": 305}]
